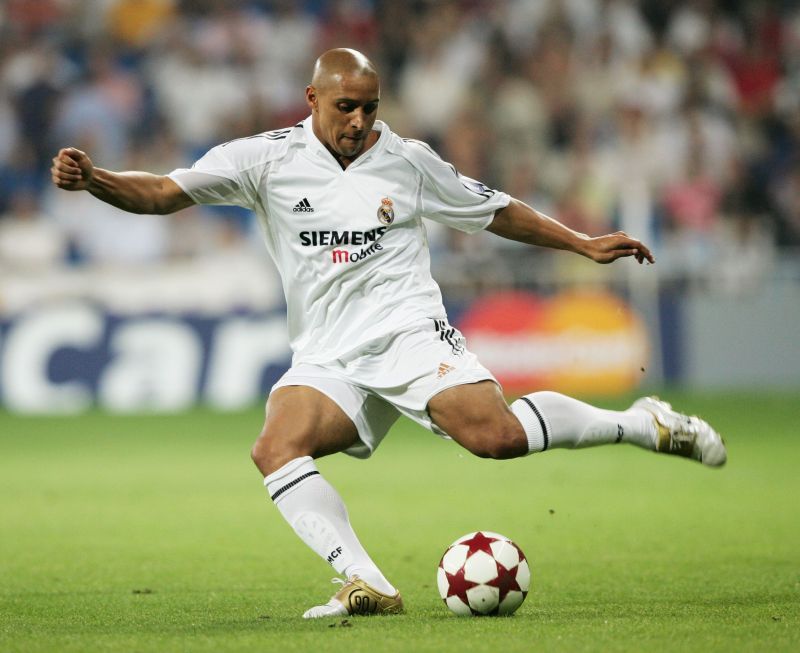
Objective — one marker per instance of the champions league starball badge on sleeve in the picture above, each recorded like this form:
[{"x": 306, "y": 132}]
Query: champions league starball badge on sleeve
[{"x": 386, "y": 211}]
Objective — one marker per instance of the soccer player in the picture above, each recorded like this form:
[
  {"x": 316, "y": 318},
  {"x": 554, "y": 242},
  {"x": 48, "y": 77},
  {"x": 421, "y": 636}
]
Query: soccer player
[{"x": 341, "y": 199}]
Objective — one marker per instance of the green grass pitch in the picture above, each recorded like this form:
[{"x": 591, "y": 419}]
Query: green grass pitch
[{"x": 154, "y": 534}]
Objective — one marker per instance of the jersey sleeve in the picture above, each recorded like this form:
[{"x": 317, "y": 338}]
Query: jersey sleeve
[
  {"x": 226, "y": 174},
  {"x": 453, "y": 199}
]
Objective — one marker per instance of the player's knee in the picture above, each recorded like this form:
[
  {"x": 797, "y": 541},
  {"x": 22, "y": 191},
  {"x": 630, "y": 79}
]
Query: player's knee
[
  {"x": 260, "y": 453},
  {"x": 268, "y": 455}
]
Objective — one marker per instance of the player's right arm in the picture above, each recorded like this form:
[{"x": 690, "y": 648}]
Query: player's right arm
[{"x": 137, "y": 192}]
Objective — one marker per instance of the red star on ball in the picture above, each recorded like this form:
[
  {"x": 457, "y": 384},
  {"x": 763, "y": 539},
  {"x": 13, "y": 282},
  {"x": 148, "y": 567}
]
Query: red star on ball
[
  {"x": 506, "y": 580},
  {"x": 479, "y": 542},
  {"x": 458, "y": 585}
]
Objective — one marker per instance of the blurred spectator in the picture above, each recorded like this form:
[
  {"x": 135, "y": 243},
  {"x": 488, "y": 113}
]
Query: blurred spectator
[
  {"x": 351, "y": 24},
  {"x": 754, "y": 65},
  {"x": 679, "y": 119},
  {"x": 448, "y": 50},
  {"x": 787, "y": 198},
  {"x": 8, "y": 130},
  {"x": 136, "y": 23},
  {"x": 692, "y": 217},
  {"x": 35, "y": 77},
  {"x": 29, "y": 240},
  {"x": 743, "y": 256},
  {"x": 196, "y": 91},
  {"x": 32, "y": 18},
  {"x": 689, "y": 28},
  {"x": 101, "y": 109}
]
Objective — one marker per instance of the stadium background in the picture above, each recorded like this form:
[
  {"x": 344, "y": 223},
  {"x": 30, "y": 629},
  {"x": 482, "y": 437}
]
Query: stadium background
[{"x": 678, "y": 122}]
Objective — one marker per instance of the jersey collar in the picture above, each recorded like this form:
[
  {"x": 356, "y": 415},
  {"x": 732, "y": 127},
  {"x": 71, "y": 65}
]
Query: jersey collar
[{"x": 316, "y": 146}]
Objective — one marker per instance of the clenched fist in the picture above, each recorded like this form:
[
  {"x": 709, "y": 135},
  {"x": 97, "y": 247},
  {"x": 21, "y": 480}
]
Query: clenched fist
[{"x": 72, "y": 169}]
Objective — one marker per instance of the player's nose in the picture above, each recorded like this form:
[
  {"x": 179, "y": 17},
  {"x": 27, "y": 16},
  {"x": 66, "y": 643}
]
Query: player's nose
[{"x": 357, "y": 120}]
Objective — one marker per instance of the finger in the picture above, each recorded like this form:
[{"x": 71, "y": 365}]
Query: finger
[
  {"x": 63, "y": 162},
  {"x": 618, "y": 253},
  {"x": 70, "y": 173},
  {"x": 63, "y": 183},
  {"x": 641, "y": 248},
  {"x": 68, "y": 160},
  {"x": 71, "y": 155},
  {"x": 646, "y": 254},
  {"x": 67, "y": 166}
]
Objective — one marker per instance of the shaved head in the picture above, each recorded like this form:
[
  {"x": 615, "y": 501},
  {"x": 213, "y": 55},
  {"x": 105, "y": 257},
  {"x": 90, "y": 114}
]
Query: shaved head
[
  {"x": 343, "y": 97},
  {"x": 334, "y": 65}
]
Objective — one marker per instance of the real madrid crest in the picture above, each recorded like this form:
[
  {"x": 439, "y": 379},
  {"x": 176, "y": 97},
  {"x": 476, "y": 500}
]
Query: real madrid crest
[{"x": 386, "y": 211}]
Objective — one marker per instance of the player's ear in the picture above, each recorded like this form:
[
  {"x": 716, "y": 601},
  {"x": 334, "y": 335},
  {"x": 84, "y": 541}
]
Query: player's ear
[{"x": 311, "y": 98}]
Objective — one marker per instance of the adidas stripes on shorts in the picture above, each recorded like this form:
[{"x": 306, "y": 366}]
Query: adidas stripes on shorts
[{"x": 392, "y": 375}]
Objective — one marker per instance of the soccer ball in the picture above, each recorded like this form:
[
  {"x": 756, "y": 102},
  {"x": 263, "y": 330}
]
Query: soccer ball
[{"x": 483, "y": 573}]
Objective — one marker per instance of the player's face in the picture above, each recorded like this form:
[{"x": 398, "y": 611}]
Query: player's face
[{"x": 344, "y": 113}]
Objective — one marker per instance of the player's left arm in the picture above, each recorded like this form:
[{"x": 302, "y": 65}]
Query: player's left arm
[{"x": 520, "y": 222}]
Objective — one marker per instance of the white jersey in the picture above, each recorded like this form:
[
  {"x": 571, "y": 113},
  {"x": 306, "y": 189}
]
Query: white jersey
[{"x": 350, "y": 245}]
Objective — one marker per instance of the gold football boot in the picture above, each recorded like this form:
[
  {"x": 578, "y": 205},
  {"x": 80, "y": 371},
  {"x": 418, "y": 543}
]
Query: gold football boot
[{"x": 354, "y": 598}]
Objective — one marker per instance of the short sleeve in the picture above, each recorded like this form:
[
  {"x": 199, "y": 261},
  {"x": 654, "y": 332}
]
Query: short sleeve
[
  {"x": 454, "y": 199},
  {"x": 224, "y": 175}
]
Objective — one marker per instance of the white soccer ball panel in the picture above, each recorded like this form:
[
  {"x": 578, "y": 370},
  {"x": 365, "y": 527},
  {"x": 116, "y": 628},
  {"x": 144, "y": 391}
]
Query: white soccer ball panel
[
  {"x": 505, "y": 553},
  {"x": 480, "y": 567},
  {"x": 524, "y": 576},
  {"x": 511, "y": 602},
  {"x": 483, "y": 598},
  {"x": 454, "y": 558},
  {"x": 457, "y": 606},
  {"x": 441, "y": 582}
]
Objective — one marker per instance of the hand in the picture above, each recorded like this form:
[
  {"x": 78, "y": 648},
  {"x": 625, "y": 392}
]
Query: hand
[
  {"x": 606, "y": 249},
  {"x": 72, "y": 169}
]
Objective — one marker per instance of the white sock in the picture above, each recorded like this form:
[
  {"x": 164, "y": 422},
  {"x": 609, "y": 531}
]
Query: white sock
[
  {"x": 552, "y": 420},
  {"x": 317, "y": 514}
]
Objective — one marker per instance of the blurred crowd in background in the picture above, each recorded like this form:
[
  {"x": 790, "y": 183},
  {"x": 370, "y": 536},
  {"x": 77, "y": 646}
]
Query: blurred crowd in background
[{"x": 678, "y": 121}]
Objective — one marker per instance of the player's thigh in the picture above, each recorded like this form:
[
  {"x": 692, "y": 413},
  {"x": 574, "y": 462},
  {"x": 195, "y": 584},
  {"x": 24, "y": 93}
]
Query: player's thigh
[
  {"x": 301, "y": 421},
  {"x": 477, "y": 416}
]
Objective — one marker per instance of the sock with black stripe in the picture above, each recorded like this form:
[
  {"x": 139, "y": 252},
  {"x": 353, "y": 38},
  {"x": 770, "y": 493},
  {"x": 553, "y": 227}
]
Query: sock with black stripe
[
  {"x": 552, "y": 421},
  {"x": 318, "y": 515}
]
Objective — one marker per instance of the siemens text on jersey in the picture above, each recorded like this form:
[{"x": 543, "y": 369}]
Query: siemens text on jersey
[{"x": 333, "y": 237}]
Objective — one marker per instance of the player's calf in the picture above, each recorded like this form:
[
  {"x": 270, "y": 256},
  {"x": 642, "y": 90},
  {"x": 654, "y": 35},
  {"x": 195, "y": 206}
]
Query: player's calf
[{"x": 498, "y": 439}]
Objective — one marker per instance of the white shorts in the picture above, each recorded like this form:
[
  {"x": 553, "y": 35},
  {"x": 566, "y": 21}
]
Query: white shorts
[{"x": 392, "y": 375}]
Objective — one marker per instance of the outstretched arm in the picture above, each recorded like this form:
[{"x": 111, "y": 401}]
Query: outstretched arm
[
  {"x": 137, "y": 192},
  {"x": 518, "y": 221}
]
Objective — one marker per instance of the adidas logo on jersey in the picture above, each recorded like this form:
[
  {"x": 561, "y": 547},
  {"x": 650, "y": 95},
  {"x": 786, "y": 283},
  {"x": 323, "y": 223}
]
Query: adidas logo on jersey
[
  {"x": 444, "y": 368},
  {"x": 303, "y": 206}
]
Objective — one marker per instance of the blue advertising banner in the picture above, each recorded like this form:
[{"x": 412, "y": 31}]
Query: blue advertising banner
[{"x": 68, "y": 357}]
